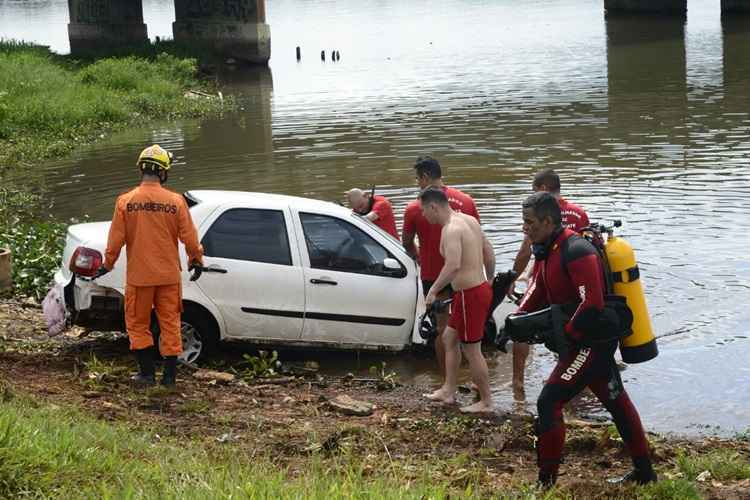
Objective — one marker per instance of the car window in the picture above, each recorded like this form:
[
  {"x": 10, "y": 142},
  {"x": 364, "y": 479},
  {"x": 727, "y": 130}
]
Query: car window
[
  {"x": 338, "y": 245},
  {"x": 249, "y": 234}
]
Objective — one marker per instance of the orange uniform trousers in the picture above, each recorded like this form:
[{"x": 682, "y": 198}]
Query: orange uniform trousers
[{"x": 167, "y": 301}]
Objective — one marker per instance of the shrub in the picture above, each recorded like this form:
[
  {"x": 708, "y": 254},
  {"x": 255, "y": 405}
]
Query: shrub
[{"x": 36, "y": 246}]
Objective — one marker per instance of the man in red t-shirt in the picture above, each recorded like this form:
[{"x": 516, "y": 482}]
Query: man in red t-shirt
[
  {"x": 428, "y": 173},
  {"x": 573, "y": 217},
  {"x": 375, "y": 208}
]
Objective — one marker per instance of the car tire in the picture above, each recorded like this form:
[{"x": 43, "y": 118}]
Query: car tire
[{"x": 200, "y": 335}]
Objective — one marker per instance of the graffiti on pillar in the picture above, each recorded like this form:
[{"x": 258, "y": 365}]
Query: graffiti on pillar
[
  {"x": 237, "y": 10},
  {"x": 90, "y": 11}
]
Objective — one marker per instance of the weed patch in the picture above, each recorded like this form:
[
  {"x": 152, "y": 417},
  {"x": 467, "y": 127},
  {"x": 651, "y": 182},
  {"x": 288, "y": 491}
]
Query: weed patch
[
  {"x": 668, "y": 489},
  {"x": 724, "y": 465}
]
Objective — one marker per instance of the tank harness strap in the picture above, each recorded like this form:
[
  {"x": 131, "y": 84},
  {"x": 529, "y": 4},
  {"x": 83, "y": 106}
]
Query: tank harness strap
[{"x": 632, "y": 275}]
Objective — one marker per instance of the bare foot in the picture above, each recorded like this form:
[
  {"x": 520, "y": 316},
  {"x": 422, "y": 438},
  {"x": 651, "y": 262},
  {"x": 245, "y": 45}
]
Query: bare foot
[
  {"x": 479, "y": 407},
  {"x": 441, "y": 396}
]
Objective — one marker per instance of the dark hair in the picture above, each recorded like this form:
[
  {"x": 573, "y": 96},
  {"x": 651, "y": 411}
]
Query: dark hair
[
  {"x": 429, "y": 166},
  {"x": 548, "y": 178},
  {"x": 544, "y": 204},
  {"x": 433, "y": 195}
]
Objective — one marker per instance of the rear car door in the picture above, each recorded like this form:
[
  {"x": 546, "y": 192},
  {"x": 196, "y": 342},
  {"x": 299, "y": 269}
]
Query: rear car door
[
  {"x": 351, "y": 298},
  {"x": 261, "y": 294}
]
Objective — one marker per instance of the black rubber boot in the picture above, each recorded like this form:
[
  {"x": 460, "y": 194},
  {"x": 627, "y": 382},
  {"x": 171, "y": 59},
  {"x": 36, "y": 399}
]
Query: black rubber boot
[
  {"x": 546, "y": 480},
  {"x": 642, "y": 473},
  {"x": 146, "y": 371},
  {"x": 169, "y": 376}
]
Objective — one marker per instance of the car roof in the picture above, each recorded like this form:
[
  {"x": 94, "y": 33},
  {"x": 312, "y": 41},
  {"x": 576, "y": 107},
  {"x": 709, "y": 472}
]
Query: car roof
[{"x": 219, "y": 197}]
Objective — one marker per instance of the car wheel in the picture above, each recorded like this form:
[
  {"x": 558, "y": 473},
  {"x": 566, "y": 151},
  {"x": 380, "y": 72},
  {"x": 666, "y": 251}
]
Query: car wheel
[{"x": 200, "y": 337}]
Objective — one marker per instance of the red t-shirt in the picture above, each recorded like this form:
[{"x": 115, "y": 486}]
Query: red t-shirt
[
  {"x": 573, "y": 216},
  {"x": 386, "y": 220},
  {"x": 430, "y": 260}
]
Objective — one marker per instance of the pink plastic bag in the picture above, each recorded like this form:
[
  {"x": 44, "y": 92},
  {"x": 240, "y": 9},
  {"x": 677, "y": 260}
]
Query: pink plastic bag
[{"x": 53, "y": 307}]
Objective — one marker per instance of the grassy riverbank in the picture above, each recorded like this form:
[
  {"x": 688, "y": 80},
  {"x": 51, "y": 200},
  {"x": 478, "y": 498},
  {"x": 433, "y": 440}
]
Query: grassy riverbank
[
  {"x": 52, "y": 452},
  {"x": 71, "y": 425},
  {"x": 50, "y": 105}
]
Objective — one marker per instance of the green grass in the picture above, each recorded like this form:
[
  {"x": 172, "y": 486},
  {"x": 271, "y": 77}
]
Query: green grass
[
  {"x": 58, "y": 453},
  {"x": 53, "y": 452},
  {"x": 724, "y": 465},
  {"x": 669, "y": 489},
  {"x": 49, "y": 103}
]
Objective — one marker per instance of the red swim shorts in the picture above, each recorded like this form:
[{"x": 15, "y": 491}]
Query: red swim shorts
[{"x": 469, "y": 312}]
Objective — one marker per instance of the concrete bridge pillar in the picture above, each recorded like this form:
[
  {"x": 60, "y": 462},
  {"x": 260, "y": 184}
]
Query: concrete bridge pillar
[
  {"x": 735, "y": 6},
  {"x": 97, "y": 24},
  {"x": 646, "y": 6},
  {"x": 234, "y": 28}
]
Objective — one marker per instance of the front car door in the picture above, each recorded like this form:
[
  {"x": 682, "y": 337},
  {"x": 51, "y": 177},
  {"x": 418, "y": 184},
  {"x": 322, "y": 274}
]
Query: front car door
[
  {"x": 261, "y": 295},
  {"x": 352, "y": 299}
]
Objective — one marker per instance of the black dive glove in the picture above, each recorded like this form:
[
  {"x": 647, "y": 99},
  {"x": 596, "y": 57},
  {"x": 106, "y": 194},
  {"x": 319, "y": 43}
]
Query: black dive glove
[{"x": 197, "y": 270}]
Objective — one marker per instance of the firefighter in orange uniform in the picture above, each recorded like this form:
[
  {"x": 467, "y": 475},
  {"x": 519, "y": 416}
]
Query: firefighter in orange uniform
[{"x": 149, "y": 220}]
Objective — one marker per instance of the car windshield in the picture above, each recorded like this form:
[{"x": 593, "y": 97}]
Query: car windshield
[{"x": 373, "y": 225}]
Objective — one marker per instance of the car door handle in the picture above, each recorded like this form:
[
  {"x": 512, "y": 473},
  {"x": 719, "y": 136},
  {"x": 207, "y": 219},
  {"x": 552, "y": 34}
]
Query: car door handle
[
  {"x": 316, "y": 281},
  {"x": 213, "y": 268}
]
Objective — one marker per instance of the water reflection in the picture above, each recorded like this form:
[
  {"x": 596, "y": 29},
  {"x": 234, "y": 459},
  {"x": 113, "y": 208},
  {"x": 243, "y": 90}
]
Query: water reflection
[
  {"x": 231, "y": 151},
  {"x": 736, "y": 31},
  {"x": 647, "y": 88}
]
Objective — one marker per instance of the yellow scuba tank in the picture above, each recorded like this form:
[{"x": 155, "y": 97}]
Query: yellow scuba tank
[{"x": 641, "y": 345}]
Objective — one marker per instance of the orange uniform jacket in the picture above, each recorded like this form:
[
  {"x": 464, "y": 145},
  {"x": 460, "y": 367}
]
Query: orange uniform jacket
[{"x": 149, "y": 220}]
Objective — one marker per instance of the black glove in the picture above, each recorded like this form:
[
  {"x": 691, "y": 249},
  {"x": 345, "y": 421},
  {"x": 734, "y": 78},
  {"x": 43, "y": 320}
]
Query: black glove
[
  {"x": 100, "y": 272},
  {"x": 197, "y": 270}
]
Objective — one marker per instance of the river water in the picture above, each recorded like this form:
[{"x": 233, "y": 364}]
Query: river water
[{"x": 646, "y": 120}]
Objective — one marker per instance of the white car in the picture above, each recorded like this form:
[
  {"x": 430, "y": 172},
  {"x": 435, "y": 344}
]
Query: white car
[{"x": 287, "y": 271}]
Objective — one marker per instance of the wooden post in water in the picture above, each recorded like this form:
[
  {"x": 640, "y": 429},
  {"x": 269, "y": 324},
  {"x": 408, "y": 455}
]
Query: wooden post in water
[
  {"x": 299, "y": 53},
  {"x": 6, "y": 282}
]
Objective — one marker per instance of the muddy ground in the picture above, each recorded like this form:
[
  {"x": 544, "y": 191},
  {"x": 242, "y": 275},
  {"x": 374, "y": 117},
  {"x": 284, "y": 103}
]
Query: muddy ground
[{"x": 290, "y": 418}]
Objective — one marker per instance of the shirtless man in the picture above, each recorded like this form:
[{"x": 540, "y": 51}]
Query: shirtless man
[
  {"x": 429, "y": 173},
  {"x": 465, "y": 249}
]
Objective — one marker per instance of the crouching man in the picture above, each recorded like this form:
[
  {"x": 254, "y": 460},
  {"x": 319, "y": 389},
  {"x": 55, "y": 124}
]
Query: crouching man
[
  {"x": 568, "y": 270},
  {"x": 465, "y": 249}
]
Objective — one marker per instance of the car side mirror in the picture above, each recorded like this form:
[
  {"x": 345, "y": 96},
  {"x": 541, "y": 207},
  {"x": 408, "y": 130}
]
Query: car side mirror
[
  {"x": 393, "y": 268},
  {"x": 391, "y": 264}
]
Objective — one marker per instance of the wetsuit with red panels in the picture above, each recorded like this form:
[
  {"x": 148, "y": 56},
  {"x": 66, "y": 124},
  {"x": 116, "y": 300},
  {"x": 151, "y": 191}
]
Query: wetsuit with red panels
[{"x": 572, "y": 272}]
